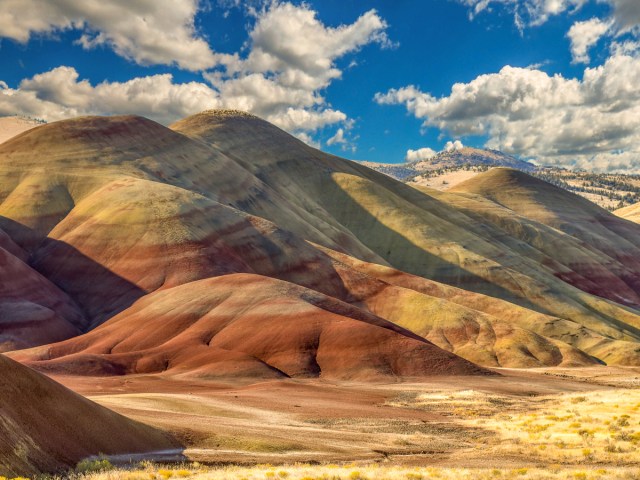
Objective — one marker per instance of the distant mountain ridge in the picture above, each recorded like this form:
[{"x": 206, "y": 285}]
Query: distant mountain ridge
[
  {"x": 399, "y": 171},
  {"x": 450, "y": 160},
  {"x": 448, "y": 168},
  {"x": 472, "y": 156}
]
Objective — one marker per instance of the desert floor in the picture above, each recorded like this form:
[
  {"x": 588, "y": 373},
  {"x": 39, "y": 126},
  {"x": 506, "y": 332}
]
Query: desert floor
[{"x": 536, "y": 420}]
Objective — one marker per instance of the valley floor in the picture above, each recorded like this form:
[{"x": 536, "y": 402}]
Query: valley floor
[
  {"x": 526, "y": 421},
  {"x": 360, "y": 472}
]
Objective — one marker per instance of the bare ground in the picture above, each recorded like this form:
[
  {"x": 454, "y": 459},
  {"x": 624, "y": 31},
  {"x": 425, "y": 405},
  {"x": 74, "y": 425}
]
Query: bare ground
[{"x": 445, "y": 421}]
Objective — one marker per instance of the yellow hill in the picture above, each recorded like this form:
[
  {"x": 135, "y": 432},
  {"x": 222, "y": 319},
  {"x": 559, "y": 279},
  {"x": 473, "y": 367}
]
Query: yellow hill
[
  {"x": 631, "y": 213},
  {"x": 114, "y": 209}
]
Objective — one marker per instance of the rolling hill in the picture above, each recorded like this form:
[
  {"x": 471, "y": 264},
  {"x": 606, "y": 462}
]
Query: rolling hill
[
  {"x": 247, "y": 325},
  {"x": 631, "y": 213},
  {"x": 131, "y": 216},
  {"x": 449, "y": 168},
  {"x": 254, "y": 228},
  {"x": 46, "y": 427}
]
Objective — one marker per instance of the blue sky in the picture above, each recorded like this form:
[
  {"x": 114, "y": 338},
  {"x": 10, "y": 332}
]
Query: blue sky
[{"x": 550, "y": 80}]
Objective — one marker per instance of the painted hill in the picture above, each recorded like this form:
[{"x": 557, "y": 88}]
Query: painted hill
[
  {"x": 602, "y": 231},
  {"x": 247, "y": 326},
  {"x": 140, "y": 208},
  {"x": 33, "y": 310},
  {"x": 502, "y": 271},
  {"x": 46, "y": 427},
  {"x": 417, "y": 231}
]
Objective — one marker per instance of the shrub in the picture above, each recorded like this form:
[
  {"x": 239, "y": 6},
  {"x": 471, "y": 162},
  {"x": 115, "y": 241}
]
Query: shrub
[
  {"x": 623, "y": 421},
  {"x": 587, "y": 435},
  {"x": 89, "y": 465},
  {"x": 612, "y": 447}
]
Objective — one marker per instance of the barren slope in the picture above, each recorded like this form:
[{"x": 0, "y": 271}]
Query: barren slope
[
  {"x": 428, "y": 234},
  {"x": 249, "y": 326},
  {"x": 33, "y": 310},
  {"x": 136, "y": 208},
  {"x": 14, "y": 125},
  {"x": 612, "y": 239},
  {"x": 46, "y": 427}
]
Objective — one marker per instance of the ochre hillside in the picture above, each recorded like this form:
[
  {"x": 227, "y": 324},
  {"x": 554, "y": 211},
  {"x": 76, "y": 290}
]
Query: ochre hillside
[
  {"x": 33, "y": 310},
  {"x": 134, "y": 219},
  {"x": 605, "y": 235},
  {"x": 422, "y": 232},
  {"x": 46, "y": 427},
  {"x": 247, "y": 326},
  {"x": 231, "y": 215}
]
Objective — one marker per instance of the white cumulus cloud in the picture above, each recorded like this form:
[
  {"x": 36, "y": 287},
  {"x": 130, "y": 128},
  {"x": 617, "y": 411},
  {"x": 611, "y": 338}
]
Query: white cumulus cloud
[
  {"x": 59, "y": 94},
  {"x": 145, "y": 31},
  {"x": 420, "y": 154},
  {"x": 292, "y": 59},
  {"x": 594, "y": 120},
  {"x": 290, "y": 41},
  {"x": 453, "y": 146},
  {"x": 289, "y": 59},
  {"x": 626, "y": 13},
  {"x": 623, "y": 18},
  {"x": 338, "y": 138},
  {"x": 583, "y": 35}
]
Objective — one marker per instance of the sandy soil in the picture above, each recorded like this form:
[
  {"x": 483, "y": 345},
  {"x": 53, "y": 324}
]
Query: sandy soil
[
  {"x": 286, "y": 421},
  {"x": 446, "y": 180},
  {"x": 12, "y": 126}
]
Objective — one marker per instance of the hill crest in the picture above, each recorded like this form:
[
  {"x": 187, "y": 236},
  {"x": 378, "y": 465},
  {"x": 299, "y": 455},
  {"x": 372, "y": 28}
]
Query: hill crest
[{"x": 471, "y": 156}]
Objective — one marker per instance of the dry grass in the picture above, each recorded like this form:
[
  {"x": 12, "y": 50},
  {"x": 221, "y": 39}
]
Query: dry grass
[
  {"x": 247, "y": 444},
  {"x": 598, "y": 428},
  {"x": 361, "y": 472},
  {"x": 582, "y": 436}
]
